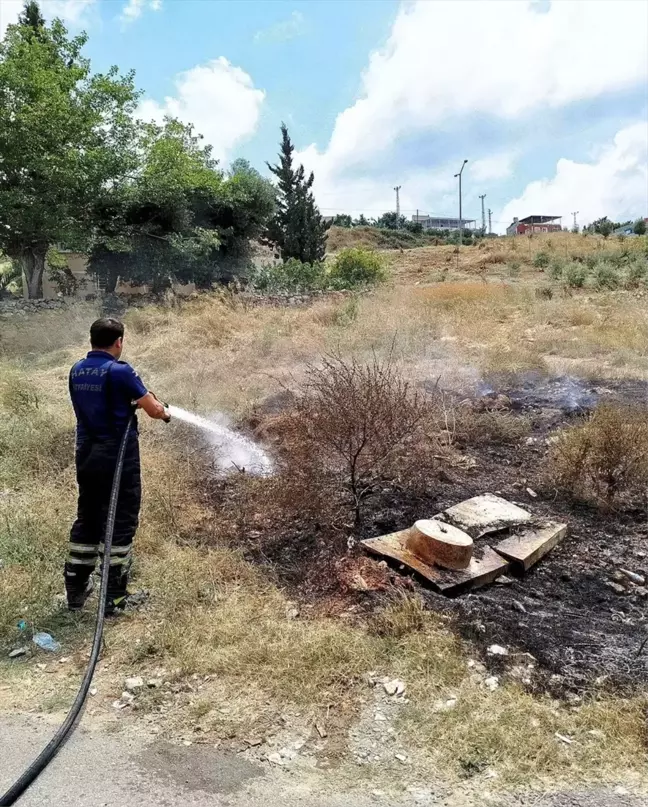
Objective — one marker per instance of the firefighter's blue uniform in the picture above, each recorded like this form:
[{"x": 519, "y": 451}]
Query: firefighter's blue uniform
[{"x": 103, "y": 390}]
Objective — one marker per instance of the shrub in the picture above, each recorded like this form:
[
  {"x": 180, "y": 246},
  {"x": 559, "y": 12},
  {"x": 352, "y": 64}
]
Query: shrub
[
  {"x": 575, "y": 275},
  {"x": 606, "y": 276},
  {"x": 636, "y": 274},
  {"x": 541, "y": 260},
  {"x": 348, "y": 426},
  {"x": 514, "y": 268},
  {"x": 291, "y": 276},
  {"x": 356, "y": 267},
  {"x": 18, "y": 396},
  {"x": 556, "y": 269},
  {"x": 474, "y": 428},
  {"x": 605, "y": 457}
]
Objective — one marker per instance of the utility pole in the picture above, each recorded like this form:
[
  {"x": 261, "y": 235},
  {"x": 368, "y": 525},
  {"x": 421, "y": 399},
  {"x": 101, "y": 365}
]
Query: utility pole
[
  {"x": 463, "y": 165},
  {"x": 490, "y": 226},
  {"x": 482, "y": 197},
  {"x": 574, "y": 214},
  {"x": 397, "y": 189}
]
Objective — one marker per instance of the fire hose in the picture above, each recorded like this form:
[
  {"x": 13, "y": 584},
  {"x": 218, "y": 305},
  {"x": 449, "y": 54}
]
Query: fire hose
[{"x": 69, "y": 724}]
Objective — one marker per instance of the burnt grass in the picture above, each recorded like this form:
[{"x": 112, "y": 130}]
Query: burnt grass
[{"x": 581, "y": 633}]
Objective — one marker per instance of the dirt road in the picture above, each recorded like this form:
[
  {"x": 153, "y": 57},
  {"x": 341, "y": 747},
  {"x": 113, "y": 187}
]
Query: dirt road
[{"x": 127, "y": 769}]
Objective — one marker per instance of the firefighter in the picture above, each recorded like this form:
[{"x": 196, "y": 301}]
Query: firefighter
[{"x": 105, "y": 392}]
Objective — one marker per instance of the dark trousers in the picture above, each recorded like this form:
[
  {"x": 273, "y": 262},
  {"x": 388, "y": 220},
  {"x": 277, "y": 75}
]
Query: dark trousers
[{"x": 95, "y": 463}]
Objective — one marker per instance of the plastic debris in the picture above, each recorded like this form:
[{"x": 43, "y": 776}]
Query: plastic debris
[{"x": 46, "y": 642}]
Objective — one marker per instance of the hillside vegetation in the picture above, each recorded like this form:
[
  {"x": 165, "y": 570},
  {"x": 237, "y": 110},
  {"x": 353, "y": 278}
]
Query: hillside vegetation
[{"x": 215, "y": 612}]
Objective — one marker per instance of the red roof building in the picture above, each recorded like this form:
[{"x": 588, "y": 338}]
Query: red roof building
[{"x": 535, "y": 224}]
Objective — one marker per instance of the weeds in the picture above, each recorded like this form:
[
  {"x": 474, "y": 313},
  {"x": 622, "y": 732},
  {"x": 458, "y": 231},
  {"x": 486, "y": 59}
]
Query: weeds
[
  {"x": 290, "y": 276},
  {"x": 606, "y": 276},
  {"x": 575, "y": 275},
  {"x": 541, "y": 260},
  {"x": 637, "y": 274},
  {"x": 556, "y": 269},
  {"x": 604, "y": 458}
]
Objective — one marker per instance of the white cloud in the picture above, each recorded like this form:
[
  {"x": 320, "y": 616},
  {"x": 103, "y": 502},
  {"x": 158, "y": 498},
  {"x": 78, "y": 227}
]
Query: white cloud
[
  {"x": 282, "y": 31},
  {"x": 497, "y": 166},
  {"x": 135, "y": 8},
  {"x": 218, "y": 98},
  {"x": 446, "y": 61},
  {"x": 72, "y": 12},
  {"x": 613, "y": 184}
]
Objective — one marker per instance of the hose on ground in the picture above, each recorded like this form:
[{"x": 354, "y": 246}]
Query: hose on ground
[{"x": 53, "y": 747}]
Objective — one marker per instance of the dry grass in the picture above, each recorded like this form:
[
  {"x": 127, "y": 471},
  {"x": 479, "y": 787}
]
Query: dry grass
[
  {"x": 605, "y": 458},
  {"x": 212, "y": 612}
]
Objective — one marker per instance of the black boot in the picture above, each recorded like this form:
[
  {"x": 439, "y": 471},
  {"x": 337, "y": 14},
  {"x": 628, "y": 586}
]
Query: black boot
[{"x": 78, "y": 586}]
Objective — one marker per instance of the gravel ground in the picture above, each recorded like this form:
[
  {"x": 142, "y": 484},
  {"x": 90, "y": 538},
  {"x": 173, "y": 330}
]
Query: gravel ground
[{"x": 131, "y": 769}]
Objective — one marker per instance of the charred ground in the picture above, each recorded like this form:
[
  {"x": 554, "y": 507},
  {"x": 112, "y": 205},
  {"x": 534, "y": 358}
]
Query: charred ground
[{"x": 582, "y": 632}]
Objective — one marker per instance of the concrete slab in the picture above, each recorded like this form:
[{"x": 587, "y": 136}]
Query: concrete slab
[
  {"x": 484, "y": 567},
  {"x": 483, "y": 514},
  {"x": 527, "y": 546}
]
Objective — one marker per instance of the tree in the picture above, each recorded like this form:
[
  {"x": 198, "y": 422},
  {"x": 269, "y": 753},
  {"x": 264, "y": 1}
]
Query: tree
[
  {"x": 342, "y": 220},
  {"x": 639, "y": 227},
  {"x": 65, "y": 135},
  {"x": 391, "y": 221},
  {"x": 180, "y": 218},
  {"x": 603, "y": 226},
  {"x": 31, "y": 16},
  {"x": 297, "y": 226}
]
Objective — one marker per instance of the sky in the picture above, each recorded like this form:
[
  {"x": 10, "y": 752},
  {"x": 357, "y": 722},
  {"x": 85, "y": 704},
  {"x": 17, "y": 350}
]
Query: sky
[{"x": 548, "y": 101}]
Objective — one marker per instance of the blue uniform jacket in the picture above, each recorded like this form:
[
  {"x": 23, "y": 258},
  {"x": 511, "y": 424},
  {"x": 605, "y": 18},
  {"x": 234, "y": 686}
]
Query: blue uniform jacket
[{"x": 103, "y": 390}]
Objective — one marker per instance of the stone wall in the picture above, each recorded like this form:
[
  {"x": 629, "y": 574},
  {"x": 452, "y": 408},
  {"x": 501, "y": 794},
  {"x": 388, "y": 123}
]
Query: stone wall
[{"x": 17, "y": 305}]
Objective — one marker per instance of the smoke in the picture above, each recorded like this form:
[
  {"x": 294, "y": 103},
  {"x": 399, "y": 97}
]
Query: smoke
[
  {"x": 534, "y": 390},
  {"x": 233, "y": 450}
]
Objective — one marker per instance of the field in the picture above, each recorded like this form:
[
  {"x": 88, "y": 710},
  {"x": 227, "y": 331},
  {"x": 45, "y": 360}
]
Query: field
[{"x": 256, "y": 633}]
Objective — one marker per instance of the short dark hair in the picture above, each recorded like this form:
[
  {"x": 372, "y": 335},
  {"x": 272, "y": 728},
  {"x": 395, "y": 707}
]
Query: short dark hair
[{"x": 105, "y": 332}]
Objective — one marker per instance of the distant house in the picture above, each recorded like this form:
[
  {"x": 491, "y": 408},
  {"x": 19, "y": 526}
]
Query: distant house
[
  {"x": 627, "y": 228},
  {"x": 535, "y": 224},
  {"x": 441, "y": 223}
]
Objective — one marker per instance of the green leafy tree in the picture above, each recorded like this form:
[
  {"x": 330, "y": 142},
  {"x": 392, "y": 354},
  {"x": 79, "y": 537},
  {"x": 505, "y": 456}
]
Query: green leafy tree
[
  {"x": 342, "y": 220},
  {"x": 297, "y": 226},
  {"x": 639, "y": 227},
  {"x": 180, "y": 218},
  {"x": 391, "y": 221},
  {"x": 65, "y": 135}
]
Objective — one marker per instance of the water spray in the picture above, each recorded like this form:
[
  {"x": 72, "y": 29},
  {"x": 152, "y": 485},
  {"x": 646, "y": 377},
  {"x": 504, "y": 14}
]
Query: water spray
[{"x": 233, "y": 450}]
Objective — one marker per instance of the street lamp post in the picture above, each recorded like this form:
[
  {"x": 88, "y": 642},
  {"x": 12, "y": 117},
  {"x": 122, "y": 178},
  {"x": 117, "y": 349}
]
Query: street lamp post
[{"x": 463, "y": 165}]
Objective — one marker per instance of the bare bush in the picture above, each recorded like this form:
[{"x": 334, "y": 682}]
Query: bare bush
[
  {"x": 605, "y": 457},
  {"x": 352, "y": 423}
]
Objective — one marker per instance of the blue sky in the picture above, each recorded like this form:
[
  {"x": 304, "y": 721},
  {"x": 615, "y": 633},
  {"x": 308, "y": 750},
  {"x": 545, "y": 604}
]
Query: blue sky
[{"x": 547, "y": 100}]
